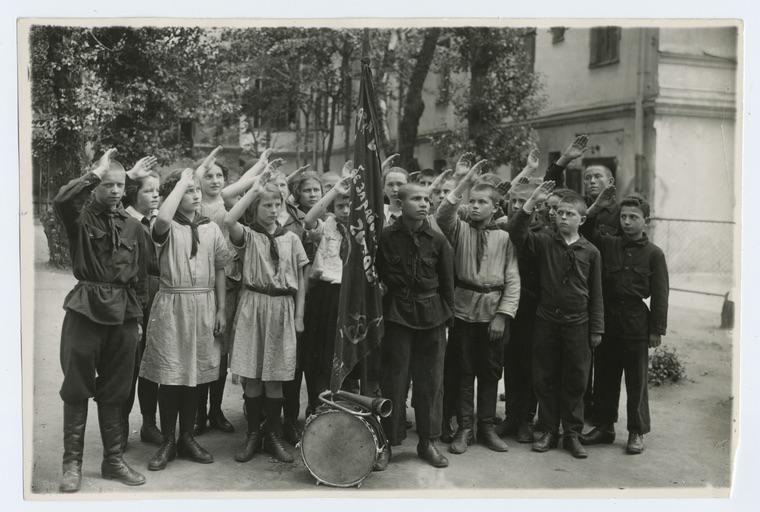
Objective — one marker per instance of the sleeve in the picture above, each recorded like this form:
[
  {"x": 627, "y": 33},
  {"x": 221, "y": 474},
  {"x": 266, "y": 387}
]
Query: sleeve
[
  {"x": 240, "y": 249},
  {"x": 315, "y": 235},
  {"x": 510, "y": 297},
  {"x": 160, "y": 240},
  {"x": 446, "y": 273},
  {"x": 519, "y": 231},
  {"x": 141, "y": 286},
  {"x": 448, "y": 220},
  {"x": 221, "y": 248},
  {"x": 299, "y": 253},
  {"x": 380, "y": 263},
  {"x": 556, "y": 174},
  {"x": 596, "y": 303},
  {"x": 659, "y": 289},
  {"x": 70, "y": 198}
]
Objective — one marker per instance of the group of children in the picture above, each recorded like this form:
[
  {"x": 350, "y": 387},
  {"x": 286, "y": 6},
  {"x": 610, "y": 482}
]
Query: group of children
[{"x": 179, "y": 281}]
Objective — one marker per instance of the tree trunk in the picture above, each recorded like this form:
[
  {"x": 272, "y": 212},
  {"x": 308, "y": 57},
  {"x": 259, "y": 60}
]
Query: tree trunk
[
  {"x": 347, "y": 83},
  {"x": 413, "y": 104},
  {"x": 480, "y": 61},
  {"x": 331, "y": 135}
]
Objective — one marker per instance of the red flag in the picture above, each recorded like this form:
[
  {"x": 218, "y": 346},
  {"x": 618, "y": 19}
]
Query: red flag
[{"x": 360, "y": 312}]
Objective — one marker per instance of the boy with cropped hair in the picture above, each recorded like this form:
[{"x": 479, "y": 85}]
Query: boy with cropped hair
[{"x": 634, "y": 270}]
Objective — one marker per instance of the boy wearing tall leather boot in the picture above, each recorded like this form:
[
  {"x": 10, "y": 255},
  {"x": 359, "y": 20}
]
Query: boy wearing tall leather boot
[
  {"x": 634, "y": 269},
  {"x": 100, "y": 331},
  {"x": 486, "y": 294}
]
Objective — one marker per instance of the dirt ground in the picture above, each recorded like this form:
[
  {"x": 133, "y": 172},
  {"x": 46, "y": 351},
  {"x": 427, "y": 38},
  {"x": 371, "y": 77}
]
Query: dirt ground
[{"x": 688, "y": 447}]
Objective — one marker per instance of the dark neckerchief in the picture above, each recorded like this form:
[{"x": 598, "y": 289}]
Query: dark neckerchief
[
  {"x": 274, "y": 252},
  {"x": 111, "y": 216},
  {"x": 343, "y": 230},
  {"x": 482, "y": 240},
  {"x": 199, "y": 219}
]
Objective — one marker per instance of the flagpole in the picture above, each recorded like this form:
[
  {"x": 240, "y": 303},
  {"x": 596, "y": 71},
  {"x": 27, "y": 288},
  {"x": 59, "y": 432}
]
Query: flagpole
[{"x": 364, "y": 373}]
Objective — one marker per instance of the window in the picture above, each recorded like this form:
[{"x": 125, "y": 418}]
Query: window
[
  {"x": 444, "y": 85},
  {"x": 558, "y": 34},
  {"x": 529, "y": 43},
  {"x": 604, "y": 46}
]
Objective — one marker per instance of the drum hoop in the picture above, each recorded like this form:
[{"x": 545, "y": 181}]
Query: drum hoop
[{"x": 356, "y": 482}]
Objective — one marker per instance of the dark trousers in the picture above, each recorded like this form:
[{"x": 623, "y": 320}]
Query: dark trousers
[
  {"x": 476, "y": 356},
  {"x": 421, "y": 352},
  {"x": 450, "y": 382},
  {"x": 147, "y": 391},
  {"x": 615, "y": 356},
  {"x": 561, "y": 358},
  {"x": 520, "y": 405},
  {"x": 97, "y": 360}
]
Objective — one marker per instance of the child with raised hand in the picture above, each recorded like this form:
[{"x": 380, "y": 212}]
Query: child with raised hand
[
  {"x": 634, "y": 270},
  {"x": 486, "y": 293},
  {"x": 269, "y": 313},
  {"x": 188, "y": 314},
  {"x": 321, "y": 310},
  {"x": 569, "y": 316}
]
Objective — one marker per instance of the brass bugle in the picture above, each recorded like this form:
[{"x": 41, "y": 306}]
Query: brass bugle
[{"x": 379, "y": 406}]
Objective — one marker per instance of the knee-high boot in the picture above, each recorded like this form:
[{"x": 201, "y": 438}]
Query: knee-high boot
[{"x": 74, "y": 422}]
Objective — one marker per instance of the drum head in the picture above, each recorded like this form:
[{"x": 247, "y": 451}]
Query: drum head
[{"x": 338, "y": 448}]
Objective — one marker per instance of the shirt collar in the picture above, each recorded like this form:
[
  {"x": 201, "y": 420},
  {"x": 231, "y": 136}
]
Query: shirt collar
[
  {"x": 398, "y": 225},
  {"x": 99, "y": 209},
  {"x": 641, "y": 242}
]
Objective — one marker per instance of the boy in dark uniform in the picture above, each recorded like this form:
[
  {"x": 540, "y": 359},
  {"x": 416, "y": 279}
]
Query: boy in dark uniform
[
  {"x": 416, "y": 265},
  {"x": 634, "y": 270},
  {"x": 569, "y": 317},
  {"x": 103, "y": 312}
]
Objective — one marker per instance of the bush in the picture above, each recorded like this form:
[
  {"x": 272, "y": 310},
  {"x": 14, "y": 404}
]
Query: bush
[
  {"x": 58, "y": 243},
  {"x": 664, "y": 366}
]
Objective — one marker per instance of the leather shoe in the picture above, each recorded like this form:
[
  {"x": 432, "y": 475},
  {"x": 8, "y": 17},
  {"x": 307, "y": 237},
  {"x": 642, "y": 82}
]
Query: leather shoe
[
  {"x": 545, "y": 442},
  {"x": 250, "y": 447},
  {"x": 275, "y": 445},
  {"x": 216, "y": 420},
  {"x": 574, "y": 446},
  {"x": 635, "y": 443},
  {"x": 427, "y": 450},
  {"x": 488, "y": 438},
  {"x": 524, "y": 433},
  {"x": 164, "y": 455},
  {"x": 188, "y": 448},
  {"x": 462, "y": 439},
  {"x": 601, "y": 434},
  {"x": 383, "y": 459},
  {"x": 150, "y": 434}
]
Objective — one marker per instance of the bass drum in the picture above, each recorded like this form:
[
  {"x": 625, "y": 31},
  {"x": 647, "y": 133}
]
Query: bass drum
[{"x": 338, "y": 448}]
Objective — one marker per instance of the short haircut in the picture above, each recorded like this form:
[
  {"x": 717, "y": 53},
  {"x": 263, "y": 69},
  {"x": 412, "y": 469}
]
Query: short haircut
[
  {"x": 604, "y": 168},
  {"x": 115, "y": 165},
  {"x": 225, "y": 171},
  {"x": 637, "y": 201},
  {"x": 398, "y": 170},
  {"x": 574, "y": 199},
  {"x": 132, "y": 187},
  {"x": 429, "y": 173},
  {"x": 408, "y": 189},
  {"x": 493, "y": 194}
]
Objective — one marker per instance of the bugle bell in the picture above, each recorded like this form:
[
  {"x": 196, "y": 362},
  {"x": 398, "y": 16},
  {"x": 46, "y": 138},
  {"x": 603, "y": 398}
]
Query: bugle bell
[{"x": 380, "y": 406}]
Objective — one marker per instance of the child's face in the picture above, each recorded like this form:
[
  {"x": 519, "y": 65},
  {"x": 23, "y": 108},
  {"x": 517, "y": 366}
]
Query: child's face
[
  {"x": 282, "y": 184},
  {"x": 516, "y": 203},
  {"x": 147, "y": 196},
  {"x": 416, "y": 205},
  {"x": 632, "y": 221},
  {"x": 596, "y": 179},
  {"x": 426, "y": 181},
  {"x": 481, "y": 205},
  {"x": 436, "y": 196},
  {"x": 551, "y": 207},
  {"x": 448, "y": 187},
  {"x": 111, "y": 188},
  {"x": 342, "y": 208},
  {"x": 212, "y": 182},
  {"x": 393, "y": 182},
  {"x": 191, "y": 199},
  {"x": 568, "y": 219},
  {"x": 268, "y": 210},
  {"x": 310, "y": 193}
]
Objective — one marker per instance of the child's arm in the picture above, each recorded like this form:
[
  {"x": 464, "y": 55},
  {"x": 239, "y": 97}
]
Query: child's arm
[
  {"x": 659, "y": 289},
  {"x": 169, "y": 207},
  {"x": 528, "y": 170},
  {"x": 238, "y": 209},
  {"x": 233, "y": 190},
  {"x": 589, "y": 228},
  {"x": 440, "y": 179},
  {"x": 446, "y": 216},
  {"x": 510, "y": 297},
  {"x": 220, "y": 323},
  {"x": 70, "y": 198},
  {"x": 207, "y": 163},
  {"x": 556, "y": 171},
  {"x": 388, "y": 162},
  {"x": 446, "y": 274},
  {"x": 142, "y": 167},
  {"x": 319, "y": 209},
  {"x": 518, "y": 226},
  {"x": 300, "y": 300},
  {"x": 596, "y": 304}
]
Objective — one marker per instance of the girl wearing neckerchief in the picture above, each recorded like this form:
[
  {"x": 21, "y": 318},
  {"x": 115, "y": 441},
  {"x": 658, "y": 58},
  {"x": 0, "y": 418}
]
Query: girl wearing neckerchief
[
  {"x": 188, "y": 313},
  {"x": 269, "y": 313}
]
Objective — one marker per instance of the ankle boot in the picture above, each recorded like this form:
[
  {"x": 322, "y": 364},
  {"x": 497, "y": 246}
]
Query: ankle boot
[
  {"x": 601, "y": 434},
  {"x": 74, "y": 422},
  {"x": 487, "y": 437},
  {"x": 545, "y": 441},
  {"x": 572, "y": 444},
  {"x": 635, "y": 444},
  {"x": 274, "y": 443},
  {"x": 524, "y": 433},
  {"x": 114, "y": 467},
  {"x": 188, "y": 448},
  {"x": 462, "y": 439},
  {"x": 167, "y": 452},
  {"x": 252, "y": 443},
  {"x": 428, "y": 451},
  {"x": 149, "y": 432}
]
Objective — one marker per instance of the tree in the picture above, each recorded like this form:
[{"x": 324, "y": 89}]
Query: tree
[{"x": 502, "y": 95}]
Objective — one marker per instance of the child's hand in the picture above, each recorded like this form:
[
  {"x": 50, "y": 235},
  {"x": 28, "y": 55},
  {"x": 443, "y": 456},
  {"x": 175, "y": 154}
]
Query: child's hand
[
  {"x": 533, "y": 159},
  {"x": 497, "y": 327},
  {"x": 299, "y": 325},
  {"x": 503, "y": 187},
  {"x": 275, "y": 164},
  {"x": 607, "y": 196},
  {"x": 209, "y": 160},
  {"x": 539, "y": 195},
  {"x": 655, "y": 340},
  {"x": 105, "y": 161},
  {"x": 463, "y": 165},
  {"x": 388, "y": 162},
  {"x": 265, "y": 156},
  {"x": 475, "y": 171},
  {"x": 220, "y": 323},
  {"x": 188, "y": 177},
  {"x": 142, "y": 167},
  {"x": 595, "y": 340},
  {"x": 297, "y": 172},
  {"x": 348, "y": 168},
  {"x": 343, "y": 187},
  {"x": 574, "y": 150}
]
